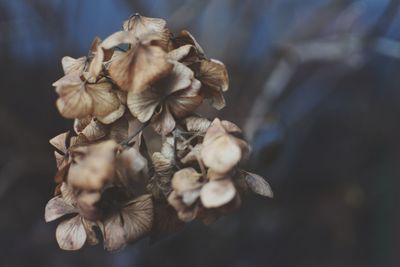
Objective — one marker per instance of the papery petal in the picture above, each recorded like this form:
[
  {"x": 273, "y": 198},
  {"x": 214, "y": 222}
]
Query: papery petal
[
  {"x": 113, "y": 116},
  {"x": 143, "y": 105},
  {"x": 186, "y": 179},
  {"x": 71, "y": 234},
  {"x": 60, "y": 142},
  {"x": 163, "y": 122},
  {"x": 179, "y": 78},
  {"x": 71, "y": 65},
  {"x": 196, "y": 124},
  {"x": 217, "y": 193},
  {"x": 140, "y": 67},
  {"x": 213, "y": 74},
  {"x": 141, "y": 25},
  {"x": 56, "y": 208},
  {"x": 105, "y": 100},
  {"x": 185, "y": 38}
]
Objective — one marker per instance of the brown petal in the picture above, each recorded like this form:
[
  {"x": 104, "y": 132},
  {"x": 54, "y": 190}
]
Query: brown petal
[
  {"x": 162, "y": 165},
  {"x": 181, "y": 105},
  {"x": 96, "y": 168},
  {"x": 140, "y": 67},
  {"x": 179, "y": 78},
  {"x": 143, "y": 105},
  {"x": 61, "y": 160},
  {"x": 67, "y": 193},
  {"x": 113, "y": 116},
  {"x": 186, "y": 179},
  {"x": 213, "y": 74},
  {"x": 86, "y": 202},
  {"x": 105, "y": 100},
  {"x": 218, "y": 100},
  {"x": 71, "y": 234},
  {"x": 71, "y": 65},
  {"x": 56, "y": 208},
  {"x": 74, "y": 101},
  {"x": 90, "y": 231},
  {"x": 185, "y": 38},
  {"x": 133, "y": 161},
  {"x": 163, "y": 122},
  {"x": 196, "y": 124},
  {"x": 114, "y": 233},
  {"x": 258, "y": 185},
  {"x": 180, "y": 53},
  {"x": 138, "y": 217},
  {"x": 94, "y": 131},
  {"x": 141, "y": 25},
  {"x": 165, "y": 221},
  {"x": 216, "y": 193},
  {"x": 60, "y": 142}
]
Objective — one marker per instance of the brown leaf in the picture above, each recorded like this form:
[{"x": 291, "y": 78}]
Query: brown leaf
[
  {"x": 71, "y": 234},
  {"x": 217, "y": 193}
]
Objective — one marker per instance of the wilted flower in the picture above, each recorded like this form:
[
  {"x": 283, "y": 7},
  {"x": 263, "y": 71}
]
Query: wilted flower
[{"x": 106, "y": 178}]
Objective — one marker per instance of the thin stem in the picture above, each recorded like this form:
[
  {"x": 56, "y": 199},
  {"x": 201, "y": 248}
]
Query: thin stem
[{"x": 129, "y": 139}]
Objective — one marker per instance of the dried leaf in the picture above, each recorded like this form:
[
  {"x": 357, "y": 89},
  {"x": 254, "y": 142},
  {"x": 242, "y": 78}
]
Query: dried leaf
[{"x": 258, "y": 184}]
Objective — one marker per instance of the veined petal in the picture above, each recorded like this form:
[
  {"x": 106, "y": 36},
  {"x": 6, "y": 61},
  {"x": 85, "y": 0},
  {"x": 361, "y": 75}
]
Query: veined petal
[
  {"x": 71, "y": 234},
  {"x": 143, "y": 105},
  {"x": 56, "y": 208}
]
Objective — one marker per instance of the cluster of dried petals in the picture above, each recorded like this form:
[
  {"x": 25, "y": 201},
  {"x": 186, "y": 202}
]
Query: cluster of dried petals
[{"x": 108, "y": 187}]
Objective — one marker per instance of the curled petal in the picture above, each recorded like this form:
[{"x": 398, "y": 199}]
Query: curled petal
[
  {"x": 141, "y": 25},
  {"x": 71, "y": 234},
  {"x": 213, "y": 74},
  {"x": 60, "y": 142},
  {"x": 217, "y": 193},
  {"x": 185, "y": 38}
]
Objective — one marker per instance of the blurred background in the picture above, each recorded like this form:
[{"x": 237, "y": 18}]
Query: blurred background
[{"x": 314, "y": 83}]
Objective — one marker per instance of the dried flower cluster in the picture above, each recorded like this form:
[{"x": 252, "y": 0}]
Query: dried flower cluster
[{"x": 107, "y": 183}]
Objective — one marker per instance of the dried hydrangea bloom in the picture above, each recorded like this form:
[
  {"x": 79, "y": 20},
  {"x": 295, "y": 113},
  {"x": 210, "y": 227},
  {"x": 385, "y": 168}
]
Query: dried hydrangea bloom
[{"x": 106, "y": 177}]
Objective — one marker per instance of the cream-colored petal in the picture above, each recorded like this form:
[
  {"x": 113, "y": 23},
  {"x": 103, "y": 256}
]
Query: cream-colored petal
[
  {"x": 141, "y": 25},
  {"x": 222, "y": 154},
  {"x": 143, "y": 105},
  {"x": 133, "y": 161},
  {"x": 90, "y": 232},
  {"x": 71, "y": 234},
  {"x": 187, "y": 179},
  {"x": 59, "y": 142},
  {"x": 180, "y": 53},
  {"x": 94, "y": 130},
  {"x": 105, "y": 100},
  {"x": 196, "y": 124},
  {"x": 180, "y": 105},
  {"x": 56, "y": 208},
  {"x": 217, "y": 193},
  {"x": 74, "y": 102},
  {"x": 113, "y": 116},
  {"x": 71, "y": 65}
]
